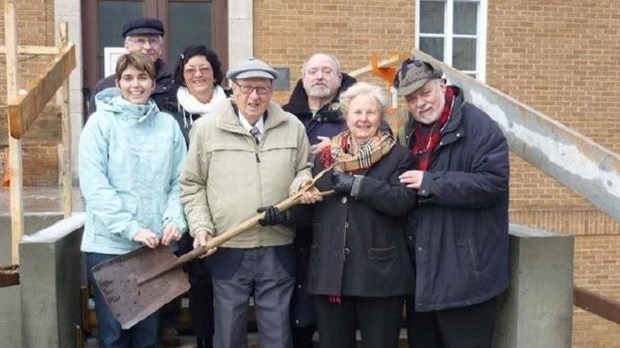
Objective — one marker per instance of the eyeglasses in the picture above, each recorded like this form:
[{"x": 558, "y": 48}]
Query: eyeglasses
[
  {"x": 192, "y": 71},
  {"x": 260, "y": 90},
  {"x": 155, "y": 41}
]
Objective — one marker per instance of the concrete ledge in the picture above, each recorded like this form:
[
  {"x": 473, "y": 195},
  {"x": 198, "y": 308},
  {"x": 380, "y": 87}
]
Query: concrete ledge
[
  {"x": 50, "y": 276},
  {"x": 537, "y": 309}
]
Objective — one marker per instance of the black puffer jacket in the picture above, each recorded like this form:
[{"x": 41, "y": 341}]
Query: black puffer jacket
[
  {"x": 459, "y": 232},
  {"x": 359, "y": 246}
]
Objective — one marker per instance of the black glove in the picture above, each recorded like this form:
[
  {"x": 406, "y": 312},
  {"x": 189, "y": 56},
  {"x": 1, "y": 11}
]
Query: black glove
[
  {"x": 273, "y": 216},
  {"x": 342, "y": 181}
]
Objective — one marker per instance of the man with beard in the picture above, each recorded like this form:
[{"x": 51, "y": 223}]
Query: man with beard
[
  {"x": 458, "y": 237},
  {"x": 145, "y": 35},
  {"x": 315, "y": 102}
]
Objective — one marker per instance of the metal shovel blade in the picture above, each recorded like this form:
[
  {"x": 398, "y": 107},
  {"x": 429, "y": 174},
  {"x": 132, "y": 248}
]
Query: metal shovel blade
[{"x": 130, "y": 301}]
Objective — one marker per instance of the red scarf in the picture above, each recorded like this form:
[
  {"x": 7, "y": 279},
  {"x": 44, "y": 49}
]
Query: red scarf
[{"x": 427, "y": 137}]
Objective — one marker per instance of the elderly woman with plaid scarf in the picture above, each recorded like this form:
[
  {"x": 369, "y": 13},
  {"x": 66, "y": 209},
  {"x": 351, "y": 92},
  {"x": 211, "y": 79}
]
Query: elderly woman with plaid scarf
[{"x": 359, "y": 264}]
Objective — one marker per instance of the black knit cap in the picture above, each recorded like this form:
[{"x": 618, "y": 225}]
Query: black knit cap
[{"x": 143, "y": 26}]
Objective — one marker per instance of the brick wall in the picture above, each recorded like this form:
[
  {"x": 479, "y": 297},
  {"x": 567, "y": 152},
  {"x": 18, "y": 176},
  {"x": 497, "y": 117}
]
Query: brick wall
[
  {"x": 287, "y": 32},
  {"x": 35, "y": 26},
  {"x": 560, "y": 57}
]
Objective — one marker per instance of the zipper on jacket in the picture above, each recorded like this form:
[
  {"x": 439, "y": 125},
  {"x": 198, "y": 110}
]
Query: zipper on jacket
[{"x": 257, "y": 158}]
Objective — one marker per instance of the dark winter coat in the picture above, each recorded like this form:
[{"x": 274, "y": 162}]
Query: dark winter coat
[
  {"x": 459, "y": 229},
  {"x": 164, "y": 95},
  {"x": 327, "y": 123},
  {"x": 358, "y": 243}
]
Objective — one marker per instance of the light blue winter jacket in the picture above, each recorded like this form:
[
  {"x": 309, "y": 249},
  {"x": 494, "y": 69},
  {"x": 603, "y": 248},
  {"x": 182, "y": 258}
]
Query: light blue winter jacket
[{"x": 130, "y": 158}]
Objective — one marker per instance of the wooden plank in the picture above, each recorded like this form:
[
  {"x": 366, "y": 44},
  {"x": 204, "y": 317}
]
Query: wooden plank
[
  {"x": 9, "y": 275},
  {"x": 33, "y": 50},
  {"x": 26, "y": 108},
  {"x": 65, "y": 153},
  {"x": 381, "y": 64},
  {"x": 15, "y": 145},
  {"x": 594, "y": 303}
]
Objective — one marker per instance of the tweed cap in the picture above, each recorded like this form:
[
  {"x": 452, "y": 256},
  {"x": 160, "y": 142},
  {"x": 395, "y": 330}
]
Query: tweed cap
[
  {"x": 252, "y": 68},
  {"x": 413, "y": 74},
  {"x": 143, "y": 26}
]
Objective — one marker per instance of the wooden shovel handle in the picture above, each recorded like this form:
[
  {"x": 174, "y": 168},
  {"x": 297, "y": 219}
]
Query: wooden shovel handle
[{"x": 238, "y": 229}]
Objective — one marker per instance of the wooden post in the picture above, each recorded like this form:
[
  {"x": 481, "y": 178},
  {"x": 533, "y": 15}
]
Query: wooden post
[
  {"x": 65, "y": 159},
  {"x": 15, "y": 145}
]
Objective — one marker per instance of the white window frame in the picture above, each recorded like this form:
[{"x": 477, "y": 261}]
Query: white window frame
[{"x": 448, "y": 35}]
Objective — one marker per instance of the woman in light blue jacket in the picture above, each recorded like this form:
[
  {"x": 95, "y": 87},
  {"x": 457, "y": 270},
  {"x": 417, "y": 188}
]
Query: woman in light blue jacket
[{"x": 130, "y": 158}]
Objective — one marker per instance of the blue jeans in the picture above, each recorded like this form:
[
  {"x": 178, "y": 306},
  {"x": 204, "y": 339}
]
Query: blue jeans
[{"x": 109, "y": 332}]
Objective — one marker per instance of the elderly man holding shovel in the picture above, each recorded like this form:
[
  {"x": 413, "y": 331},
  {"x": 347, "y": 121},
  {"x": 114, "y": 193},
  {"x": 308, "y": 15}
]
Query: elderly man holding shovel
[{"x": 248, "y": 154}]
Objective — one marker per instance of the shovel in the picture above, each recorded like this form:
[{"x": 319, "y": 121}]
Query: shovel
[{"x": 135, "y": 285}]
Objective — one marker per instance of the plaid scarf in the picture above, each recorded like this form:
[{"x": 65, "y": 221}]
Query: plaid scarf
[
  {"x": 427, "y": 137},
  {"x": 368, "y": 154}
]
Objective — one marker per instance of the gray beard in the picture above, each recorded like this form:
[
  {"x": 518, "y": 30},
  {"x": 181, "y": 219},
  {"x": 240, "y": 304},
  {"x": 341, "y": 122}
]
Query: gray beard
[{"x": 319, "y": 92}]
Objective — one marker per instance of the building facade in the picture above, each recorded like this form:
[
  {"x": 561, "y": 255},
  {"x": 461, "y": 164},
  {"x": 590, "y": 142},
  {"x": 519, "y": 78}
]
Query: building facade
[{"x": 561, "y": 58}]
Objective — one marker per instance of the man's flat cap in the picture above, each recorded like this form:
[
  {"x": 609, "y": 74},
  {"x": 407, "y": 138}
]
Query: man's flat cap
[
  {"x": 143, "y": 26},
  {"x": 252, "y": 68}
]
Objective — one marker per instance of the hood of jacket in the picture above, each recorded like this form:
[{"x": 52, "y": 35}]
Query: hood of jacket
[
  {"x": 298, "y": 102},
  {"x": 110, "y": 100}
]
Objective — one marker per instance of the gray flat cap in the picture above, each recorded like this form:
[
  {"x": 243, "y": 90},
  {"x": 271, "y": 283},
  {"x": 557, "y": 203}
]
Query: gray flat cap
[
  {"x": 413, "y": 74},
  {"x": 252, "y": 68}
]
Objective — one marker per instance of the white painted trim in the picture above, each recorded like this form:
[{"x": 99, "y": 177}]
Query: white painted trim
[
  {"x": 110, "y": 56},
  {"x": 481, "y": 62},
  {"x": 240, "y": 31},
  {"x": 71, "y": 11},
  {"x": 448, "y": 35}
]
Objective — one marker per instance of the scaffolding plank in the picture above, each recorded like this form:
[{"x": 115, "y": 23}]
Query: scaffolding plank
[{"x": 25, "y": 108}]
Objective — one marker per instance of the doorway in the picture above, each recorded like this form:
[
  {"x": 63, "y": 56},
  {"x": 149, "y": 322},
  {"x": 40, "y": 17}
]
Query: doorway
[{"x": 186, "y": 22}]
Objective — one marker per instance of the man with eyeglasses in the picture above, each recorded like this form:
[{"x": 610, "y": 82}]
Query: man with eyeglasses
[
  {"x": 145, "y": 35},
  {"x": 458, "y": 237},
  {"x": 249, "y": 153}
]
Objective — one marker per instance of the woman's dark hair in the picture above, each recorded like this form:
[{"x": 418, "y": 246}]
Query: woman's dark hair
[{"x": 192, "y": 51}]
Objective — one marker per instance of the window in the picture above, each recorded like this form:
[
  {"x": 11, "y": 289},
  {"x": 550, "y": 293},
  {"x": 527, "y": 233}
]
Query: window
[{"x": 454, "y": 32}]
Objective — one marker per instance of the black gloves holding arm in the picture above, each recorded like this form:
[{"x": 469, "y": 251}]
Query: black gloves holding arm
[
  {"x": 273, "y": 216},
  {"x": 344, "y": 182}
]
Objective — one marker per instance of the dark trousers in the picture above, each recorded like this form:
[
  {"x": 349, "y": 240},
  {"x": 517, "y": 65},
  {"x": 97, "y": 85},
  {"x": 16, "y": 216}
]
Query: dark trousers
[
  {"x": 464, "y": 327},
  {"x": 266, "y": 274},
  {"x": 378, "y": 319},
  {"x": 109, "y": 331},
  {"x": 201, "y": 308}
]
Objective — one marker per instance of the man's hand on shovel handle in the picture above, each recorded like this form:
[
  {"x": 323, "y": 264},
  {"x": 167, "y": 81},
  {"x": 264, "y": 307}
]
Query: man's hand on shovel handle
[
  {"x": 171, "y": 233},
  {"x": 201, "y": 238},
  {"x": 147, "y": 237}
]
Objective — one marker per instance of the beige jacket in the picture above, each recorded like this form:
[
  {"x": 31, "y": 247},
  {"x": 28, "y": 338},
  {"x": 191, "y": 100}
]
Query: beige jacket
[{"x": 228, "y": 176}]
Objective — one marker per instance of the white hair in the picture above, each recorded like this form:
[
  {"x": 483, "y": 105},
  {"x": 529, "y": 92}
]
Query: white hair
[{"x": 364, "y": 88}]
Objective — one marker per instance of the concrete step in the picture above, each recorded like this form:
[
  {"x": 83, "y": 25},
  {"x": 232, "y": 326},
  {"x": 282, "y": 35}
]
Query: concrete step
[{"x": 189, "y": 341}]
